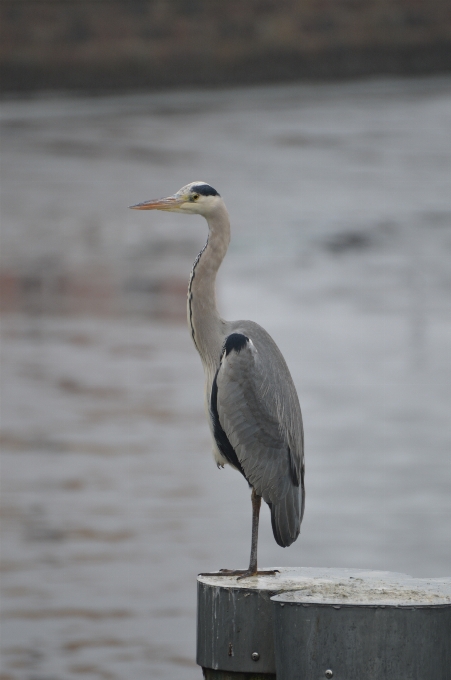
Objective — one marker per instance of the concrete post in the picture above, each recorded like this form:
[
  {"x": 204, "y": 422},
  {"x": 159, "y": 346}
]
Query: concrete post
[
  {"x": 376, "y": 626},
  {"x": 247, "y": 629}
]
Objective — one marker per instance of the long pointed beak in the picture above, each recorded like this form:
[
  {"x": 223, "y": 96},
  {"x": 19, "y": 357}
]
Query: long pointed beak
[{"x": 168, "y": 203}]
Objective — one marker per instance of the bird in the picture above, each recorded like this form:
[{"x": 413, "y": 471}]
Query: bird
[{"x": 251, "y": 402}]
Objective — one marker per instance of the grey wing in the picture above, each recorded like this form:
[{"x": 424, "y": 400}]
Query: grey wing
[{"x": 258, "y": 411}]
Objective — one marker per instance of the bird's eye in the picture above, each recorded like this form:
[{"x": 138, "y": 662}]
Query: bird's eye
[{"x": 195, "y": 197}]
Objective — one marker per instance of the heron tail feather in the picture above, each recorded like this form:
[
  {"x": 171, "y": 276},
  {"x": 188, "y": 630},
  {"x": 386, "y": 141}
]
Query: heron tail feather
[{"x": 286, "y": 517}]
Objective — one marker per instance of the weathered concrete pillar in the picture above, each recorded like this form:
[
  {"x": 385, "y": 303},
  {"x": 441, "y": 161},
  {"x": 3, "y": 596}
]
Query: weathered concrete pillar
[
  {"x": 234, "y": 624},
  {"x": 372, "y": 626},
  {"x": 247, "y": 629}
]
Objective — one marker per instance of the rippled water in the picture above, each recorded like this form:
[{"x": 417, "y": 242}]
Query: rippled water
[{"x": 112, "y": 504}]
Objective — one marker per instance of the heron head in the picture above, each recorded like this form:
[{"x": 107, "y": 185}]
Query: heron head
[{"x": 197, "y": 198}]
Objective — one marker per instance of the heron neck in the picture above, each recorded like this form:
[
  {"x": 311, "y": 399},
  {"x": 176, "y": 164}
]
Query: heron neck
[{"x": 207, "y": 327}]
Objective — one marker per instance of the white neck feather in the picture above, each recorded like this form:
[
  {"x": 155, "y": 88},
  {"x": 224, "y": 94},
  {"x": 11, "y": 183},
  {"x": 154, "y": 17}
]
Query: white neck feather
[{"x": 207, "y": 327}]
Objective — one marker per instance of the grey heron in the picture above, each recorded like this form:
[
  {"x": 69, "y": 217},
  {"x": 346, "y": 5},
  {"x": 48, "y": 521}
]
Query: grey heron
[{"x": 251, "y": 401}]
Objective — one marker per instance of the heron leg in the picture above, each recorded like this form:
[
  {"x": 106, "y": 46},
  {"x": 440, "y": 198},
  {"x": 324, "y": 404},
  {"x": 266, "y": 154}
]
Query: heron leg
[
  {"x": 252, "y": 570},
  {"x": 256, "y": 504}
]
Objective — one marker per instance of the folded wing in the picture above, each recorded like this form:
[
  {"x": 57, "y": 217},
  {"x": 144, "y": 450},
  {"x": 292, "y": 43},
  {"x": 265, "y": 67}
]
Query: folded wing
[{"x": 258, "y": 425}]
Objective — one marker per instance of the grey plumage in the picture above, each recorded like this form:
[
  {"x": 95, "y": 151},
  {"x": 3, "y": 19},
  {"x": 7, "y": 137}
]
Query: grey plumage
[
  {"x": 259, "y": 411},
  {"x": 250, "y": 397}
]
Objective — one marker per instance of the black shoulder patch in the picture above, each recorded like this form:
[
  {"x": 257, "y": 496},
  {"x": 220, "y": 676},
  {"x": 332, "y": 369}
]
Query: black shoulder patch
[
  {"x": 235, "y": 341},
  {"x": 204, "y": 190}
]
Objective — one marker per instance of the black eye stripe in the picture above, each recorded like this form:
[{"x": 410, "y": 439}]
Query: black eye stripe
[{"x": 205, "y": 190}]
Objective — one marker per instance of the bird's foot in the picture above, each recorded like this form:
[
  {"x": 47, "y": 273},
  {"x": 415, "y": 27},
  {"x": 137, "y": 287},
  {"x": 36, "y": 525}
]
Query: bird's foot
[
  {"x": 227, "y": 572},
  {"x": 246, "y": 573},
  {"x": 266, "y": 572}
]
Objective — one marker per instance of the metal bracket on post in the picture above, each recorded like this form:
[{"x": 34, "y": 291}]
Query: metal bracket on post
[{"x": 344, "y": 624}]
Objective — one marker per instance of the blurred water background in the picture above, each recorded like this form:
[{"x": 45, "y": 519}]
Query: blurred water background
[{"x": 340, "y": 203}]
